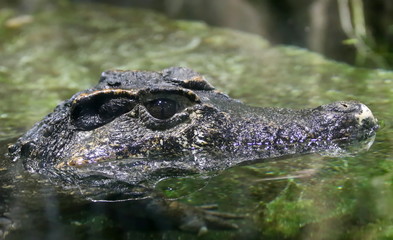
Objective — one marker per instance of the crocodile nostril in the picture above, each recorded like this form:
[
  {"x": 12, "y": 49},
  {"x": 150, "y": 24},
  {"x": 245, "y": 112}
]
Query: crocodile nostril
[
  {"x": 347, "y": 107},
  {"x": 341, "y": 107},
  {"x": 344, "y": 105}
]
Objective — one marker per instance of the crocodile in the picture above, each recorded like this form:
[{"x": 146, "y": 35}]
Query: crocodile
[{"x": 136, "y": 127}]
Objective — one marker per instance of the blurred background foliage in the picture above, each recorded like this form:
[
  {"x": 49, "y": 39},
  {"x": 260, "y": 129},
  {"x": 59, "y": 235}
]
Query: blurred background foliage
[{"x": 358, "y": 32}]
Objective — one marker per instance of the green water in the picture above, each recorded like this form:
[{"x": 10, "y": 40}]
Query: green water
[{"x": 63, "y": 50}]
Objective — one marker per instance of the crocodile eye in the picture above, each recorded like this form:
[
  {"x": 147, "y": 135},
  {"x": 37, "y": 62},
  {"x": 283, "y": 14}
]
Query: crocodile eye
[{"x": 162, "y": 108}]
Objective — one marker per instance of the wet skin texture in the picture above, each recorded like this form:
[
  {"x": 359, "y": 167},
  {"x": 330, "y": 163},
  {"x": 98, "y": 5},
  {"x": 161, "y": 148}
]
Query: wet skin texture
[{"x": 136, "y": 127}]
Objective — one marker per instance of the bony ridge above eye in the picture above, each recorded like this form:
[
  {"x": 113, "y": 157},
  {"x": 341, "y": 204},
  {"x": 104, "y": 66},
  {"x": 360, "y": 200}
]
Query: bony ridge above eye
[{"x": 95, "y": 109}]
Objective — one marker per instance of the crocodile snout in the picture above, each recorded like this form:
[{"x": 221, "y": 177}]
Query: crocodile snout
[
  {"x": 354, "y": 120},
  {"x": 359, "y": 111}
]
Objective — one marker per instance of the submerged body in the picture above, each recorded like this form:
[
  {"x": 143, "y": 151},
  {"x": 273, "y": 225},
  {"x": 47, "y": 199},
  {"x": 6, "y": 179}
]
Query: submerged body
[{"x": 136, "y": 127}]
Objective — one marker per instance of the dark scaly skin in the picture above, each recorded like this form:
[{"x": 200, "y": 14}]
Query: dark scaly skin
[{"x": 136, "y": 127}]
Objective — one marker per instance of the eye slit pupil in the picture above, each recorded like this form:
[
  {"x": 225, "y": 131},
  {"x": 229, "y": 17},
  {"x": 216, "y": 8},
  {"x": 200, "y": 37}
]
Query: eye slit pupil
[{"x": 162, "y": 108}]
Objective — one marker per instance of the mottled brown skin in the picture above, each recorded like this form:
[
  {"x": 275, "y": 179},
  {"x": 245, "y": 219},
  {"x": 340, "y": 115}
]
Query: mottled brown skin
[{"x": 136, "y": 127}]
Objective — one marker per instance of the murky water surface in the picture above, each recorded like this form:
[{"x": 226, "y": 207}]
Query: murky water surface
[{"x": 58, "y": 52}]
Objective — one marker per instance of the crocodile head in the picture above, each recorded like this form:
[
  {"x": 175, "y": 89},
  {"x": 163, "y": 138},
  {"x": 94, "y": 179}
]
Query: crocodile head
[{"x": 135, "y": 124}]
